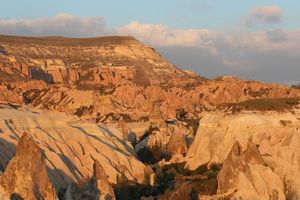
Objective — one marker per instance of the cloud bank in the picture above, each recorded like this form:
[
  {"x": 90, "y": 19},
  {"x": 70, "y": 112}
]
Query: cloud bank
[
  {"x": 61, "y": 24},
  {"x": 162, "y": 35},
  {"x": 269, "y": 55},
  {"x": 264, "y": 15}
]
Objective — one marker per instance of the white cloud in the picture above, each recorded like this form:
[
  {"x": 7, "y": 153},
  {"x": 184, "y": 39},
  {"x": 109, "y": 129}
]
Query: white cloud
[
  {"x": 264, "y": 15},
  {"x": 255, "y": 55},
  {"x": 266, "y": 41},
  {"x": 61, "y": 24},
  {"x": 162, "y": 35},
  {"x": 159, "y": 35}
]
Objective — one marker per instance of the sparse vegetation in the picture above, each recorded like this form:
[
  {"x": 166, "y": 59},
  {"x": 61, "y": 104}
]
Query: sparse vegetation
[
  {"x": 146, "y": 156},
  {"x": 279, "y": 104},
  {"x": 175, "y": 179},
  {"x": 2, "y": 50}
]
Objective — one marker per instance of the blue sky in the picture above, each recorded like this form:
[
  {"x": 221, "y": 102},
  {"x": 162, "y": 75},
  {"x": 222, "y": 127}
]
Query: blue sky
[
  {"x": 217, "y": 14},
  {"x": 252, "y": 39}
]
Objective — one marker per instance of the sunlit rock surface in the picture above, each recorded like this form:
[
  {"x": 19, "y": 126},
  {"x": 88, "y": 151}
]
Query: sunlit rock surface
[
  {"x": 70, "y": 146},
  {"x": 275, "y": 133},
  {"x": 26, "y": 176}
]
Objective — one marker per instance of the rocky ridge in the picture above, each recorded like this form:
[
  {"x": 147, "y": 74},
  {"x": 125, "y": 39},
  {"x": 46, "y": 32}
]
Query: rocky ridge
[{"x": 110, "y": 78}]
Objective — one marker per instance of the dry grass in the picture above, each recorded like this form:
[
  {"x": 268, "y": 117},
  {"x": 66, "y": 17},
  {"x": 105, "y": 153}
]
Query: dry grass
[
  {"x": 279, "y": 104},
  {"x": 54, "y": 40}
]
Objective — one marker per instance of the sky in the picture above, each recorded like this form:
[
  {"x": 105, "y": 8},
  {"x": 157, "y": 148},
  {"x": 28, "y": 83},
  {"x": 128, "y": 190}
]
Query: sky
[{"x": 251, "y": 39}]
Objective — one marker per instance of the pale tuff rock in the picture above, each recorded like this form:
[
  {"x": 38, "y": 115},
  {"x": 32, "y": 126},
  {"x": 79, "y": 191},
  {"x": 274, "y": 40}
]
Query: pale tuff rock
[
  {"x": 232, "y": 166},
  {"x": 26, "y": 175},
  {"x": 155, "y": 143},
  {"x": 100, "y": 180},
  {"x": 98, "y": 188},
  {"x": 252, "y": 154},
  {"x": 283, "y": 158},
  {"x": 276, "y": 134},
  {"x": 238, "y": 178},
  {"x": 218, "y": 131},
  {"x": 70, "y": 146}
]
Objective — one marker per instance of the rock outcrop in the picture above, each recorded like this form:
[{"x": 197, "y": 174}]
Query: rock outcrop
[
  {"x": 98, "y": 188},
  {"x": 87, "y": 62},
  {"x": 67, "y": 94},
  {"x": 177, "y": 143},
  {"x": 248, "y": 179},
  {"x": 275, "y": 133},
  {"x": 219, "y": 130},
  {"x": 70, "y": 146},
  {"x": 110, "y": 78},
  {"x": 26, "y": 176},
  {"x": 232, "y": 166}
]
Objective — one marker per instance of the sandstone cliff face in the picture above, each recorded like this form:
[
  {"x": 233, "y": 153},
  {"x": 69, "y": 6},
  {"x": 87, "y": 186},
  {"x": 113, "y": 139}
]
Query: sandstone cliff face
[
  {"x": 26, "y": 176},
  {"x": 105, "y": 60}
]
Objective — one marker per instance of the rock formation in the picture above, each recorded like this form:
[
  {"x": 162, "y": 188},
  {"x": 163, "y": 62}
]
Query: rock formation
[
  {"x": 26, "y": 176},
  {"x": 248, "y": 179},
  {"x": 234, "y": 164},
  {"x": 274, "y": 132},
  {"x": 219, "y": 130},
  {"x": 70, "y": 146},
  {"x": 110, "y": 78},
  {"x": 177, "y": 144},
  {"x": 98, "y": 188},
  {"x": 252, "y": 154},
  {"x": 100, "y": 107}
]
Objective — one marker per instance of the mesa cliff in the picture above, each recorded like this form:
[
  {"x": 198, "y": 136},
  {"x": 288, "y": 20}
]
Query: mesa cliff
[{"x": 113, "y": 78}]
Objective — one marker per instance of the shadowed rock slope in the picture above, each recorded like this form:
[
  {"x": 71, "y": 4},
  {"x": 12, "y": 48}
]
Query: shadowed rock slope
[{"x": 97, "y": 188}]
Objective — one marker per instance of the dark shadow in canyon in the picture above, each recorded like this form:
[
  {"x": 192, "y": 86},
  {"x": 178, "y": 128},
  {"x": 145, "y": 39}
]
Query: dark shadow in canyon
[{"x": 40, "y": 74}]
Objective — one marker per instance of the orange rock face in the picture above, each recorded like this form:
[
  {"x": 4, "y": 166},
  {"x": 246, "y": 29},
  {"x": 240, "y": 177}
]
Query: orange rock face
[
  {"x": 232, "y": 166},
  {"x": 27, "y": 165},
  {"x": 112, "y": 77},
  {"x": 119, "y": 79}
]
